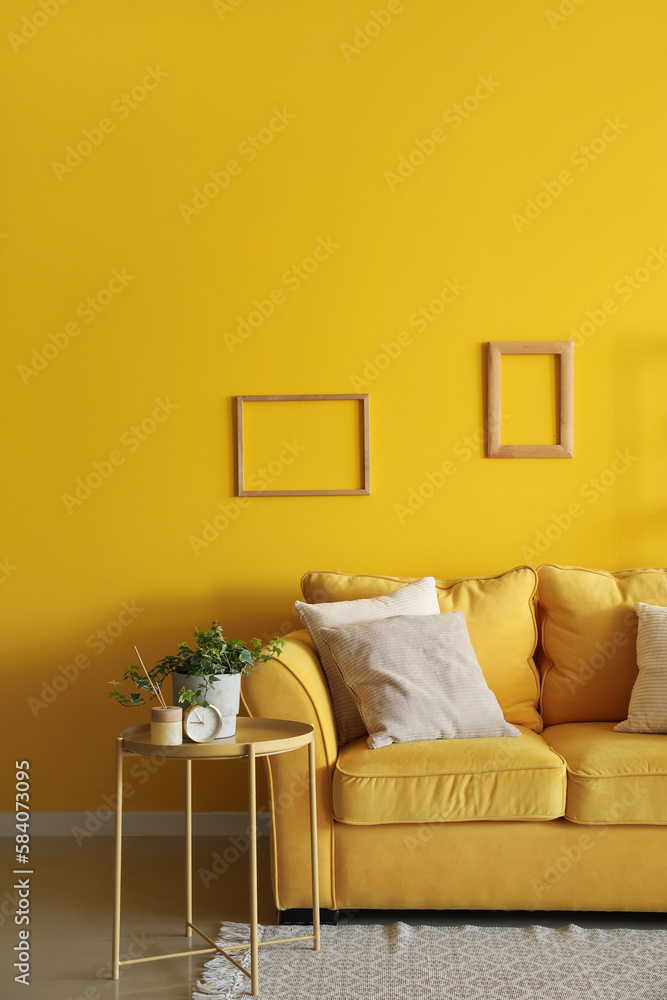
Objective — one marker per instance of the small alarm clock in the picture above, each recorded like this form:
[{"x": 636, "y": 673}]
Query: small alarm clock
[{"x": 202, "y": 723}]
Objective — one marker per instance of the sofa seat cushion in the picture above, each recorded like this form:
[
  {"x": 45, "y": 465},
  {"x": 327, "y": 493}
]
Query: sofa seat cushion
[
  {"x": 454, "y": 780},
  {"x": 615, "y": 778}
]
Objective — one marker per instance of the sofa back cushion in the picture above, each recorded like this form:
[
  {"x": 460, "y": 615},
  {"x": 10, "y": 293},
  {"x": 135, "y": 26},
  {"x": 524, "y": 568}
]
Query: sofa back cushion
[
  {"x": 500, "y": 615},
  {"x": 589, "y": 626}
]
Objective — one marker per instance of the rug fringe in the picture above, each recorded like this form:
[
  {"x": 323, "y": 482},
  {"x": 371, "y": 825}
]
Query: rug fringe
[{"x": 221, "y": 980}]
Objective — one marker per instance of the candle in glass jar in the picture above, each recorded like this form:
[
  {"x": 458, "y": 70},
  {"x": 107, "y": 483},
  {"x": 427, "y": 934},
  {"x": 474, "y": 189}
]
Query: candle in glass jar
[{"x": 167, "y": 726}]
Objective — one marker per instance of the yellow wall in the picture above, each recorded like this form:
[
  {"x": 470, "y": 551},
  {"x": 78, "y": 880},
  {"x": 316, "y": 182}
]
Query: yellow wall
[{"x": 344, "y": 94}]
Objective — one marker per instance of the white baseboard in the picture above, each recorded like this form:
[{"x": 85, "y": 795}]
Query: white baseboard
[{"x": 135, "y": 824}]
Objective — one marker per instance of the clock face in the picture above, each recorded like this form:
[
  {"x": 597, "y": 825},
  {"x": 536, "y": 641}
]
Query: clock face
[{"x": 202, "y": 723}]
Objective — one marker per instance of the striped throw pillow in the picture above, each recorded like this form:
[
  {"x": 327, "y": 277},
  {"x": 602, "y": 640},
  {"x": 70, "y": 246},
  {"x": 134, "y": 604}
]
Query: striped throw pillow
[
  {"x": 416, "y": 678},
  {"x": 648, "y": 702},
  {"x": 419, "y": 598}
]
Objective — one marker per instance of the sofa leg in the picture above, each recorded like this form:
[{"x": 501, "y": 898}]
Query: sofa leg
[{"x": 303, "y": 916}]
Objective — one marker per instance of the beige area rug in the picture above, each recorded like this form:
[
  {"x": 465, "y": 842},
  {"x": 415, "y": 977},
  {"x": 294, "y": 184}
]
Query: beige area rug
[{"x": 402, "y": 962}]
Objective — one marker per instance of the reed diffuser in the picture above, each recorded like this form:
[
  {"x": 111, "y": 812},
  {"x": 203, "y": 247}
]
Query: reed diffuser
[{"x": 166, "y": 720}]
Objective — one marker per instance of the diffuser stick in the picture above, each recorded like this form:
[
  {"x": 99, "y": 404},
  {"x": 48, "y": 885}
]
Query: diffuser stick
[{"x": 155, "y": 689}]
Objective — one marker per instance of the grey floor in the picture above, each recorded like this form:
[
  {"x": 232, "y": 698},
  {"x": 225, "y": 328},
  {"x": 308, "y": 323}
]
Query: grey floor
[{"x": 72, "y": 892}]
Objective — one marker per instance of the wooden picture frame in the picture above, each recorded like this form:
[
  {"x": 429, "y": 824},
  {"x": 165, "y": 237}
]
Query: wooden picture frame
[
  {"x": 565, "y": 447},
  {"x": 365, "y": 490}
]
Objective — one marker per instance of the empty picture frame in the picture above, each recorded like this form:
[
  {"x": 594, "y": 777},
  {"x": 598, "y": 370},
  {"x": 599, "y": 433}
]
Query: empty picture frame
[
  {"x": 364, "y": 490},
  {"x": 565, "y": 446}
]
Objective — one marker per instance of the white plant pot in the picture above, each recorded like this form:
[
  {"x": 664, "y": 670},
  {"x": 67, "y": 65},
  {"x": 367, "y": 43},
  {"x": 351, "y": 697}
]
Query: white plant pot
[{"x": 225, "y": 694}]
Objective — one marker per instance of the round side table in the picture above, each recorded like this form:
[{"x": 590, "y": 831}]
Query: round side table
[{"x": 253, "y": 738}]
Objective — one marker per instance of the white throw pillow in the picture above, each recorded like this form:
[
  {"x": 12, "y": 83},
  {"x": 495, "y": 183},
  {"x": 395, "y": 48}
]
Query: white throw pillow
[
  {"x": 416, "y": 678},
  {"x": 648, "y": 702},
  {"x": 419, "y": 598}
]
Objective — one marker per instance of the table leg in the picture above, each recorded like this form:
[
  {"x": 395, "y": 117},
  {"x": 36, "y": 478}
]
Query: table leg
[
  {"x": 313, "y": 845},
  {"x": 188, "y": 848},
  {"x": 252, "y": 832},
  {"x": 115, "y": 950}
]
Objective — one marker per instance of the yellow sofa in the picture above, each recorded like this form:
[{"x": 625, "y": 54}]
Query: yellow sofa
[{"x": 570, "y": 816}]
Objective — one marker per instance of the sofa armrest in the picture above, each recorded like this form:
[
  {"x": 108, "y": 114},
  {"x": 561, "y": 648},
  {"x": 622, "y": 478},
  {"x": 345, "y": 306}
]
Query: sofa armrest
[{"x": 294, "y": 687}]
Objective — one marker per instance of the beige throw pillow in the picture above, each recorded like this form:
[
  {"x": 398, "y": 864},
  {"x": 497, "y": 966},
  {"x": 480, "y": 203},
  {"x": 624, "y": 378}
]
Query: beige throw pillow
[
  {"x": 648, "y": 702},
  {"x": 418, "y": 598},
  {"x": 416, "y": 678}
]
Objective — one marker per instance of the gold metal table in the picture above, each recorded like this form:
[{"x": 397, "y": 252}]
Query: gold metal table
[{"x": 253, "y": 738}]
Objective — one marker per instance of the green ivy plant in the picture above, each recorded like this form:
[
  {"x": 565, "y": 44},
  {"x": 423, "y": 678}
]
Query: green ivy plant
[{"x": 212, "y": 657}]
